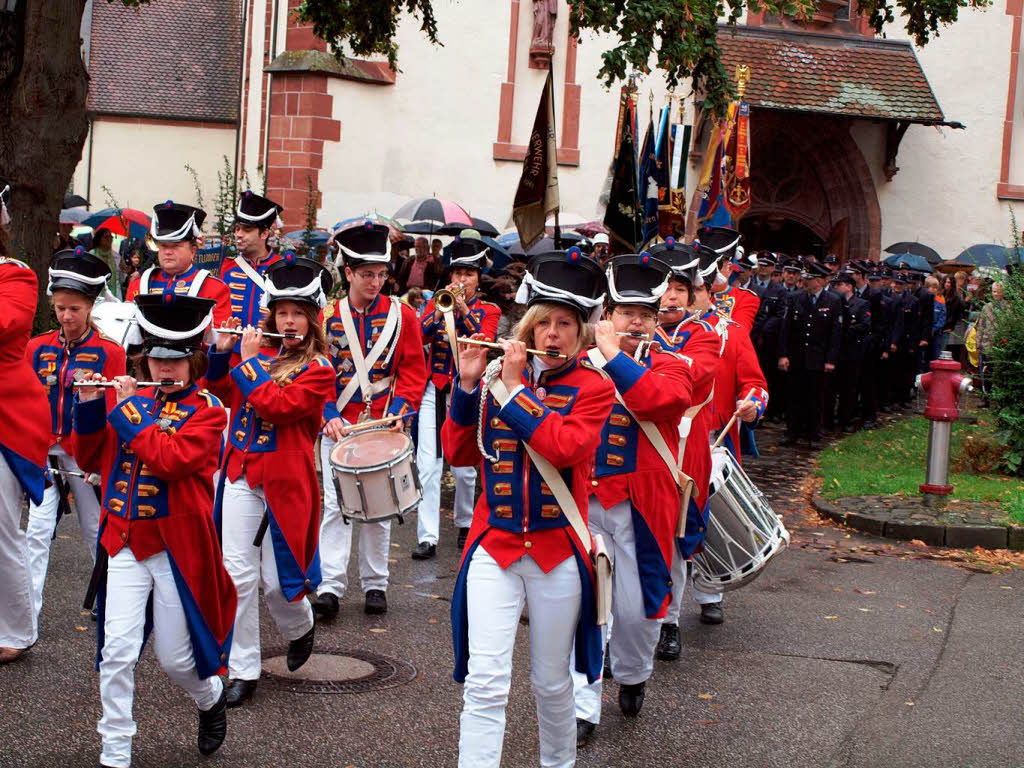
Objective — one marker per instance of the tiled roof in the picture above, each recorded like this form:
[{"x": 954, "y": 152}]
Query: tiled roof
[
  {"x": 878, "y": 79},
  {"x": 170, "y": 59}
]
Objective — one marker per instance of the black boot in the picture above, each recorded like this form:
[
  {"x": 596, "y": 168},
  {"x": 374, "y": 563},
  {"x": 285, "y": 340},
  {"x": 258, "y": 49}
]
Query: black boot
[
  {"x": 239, "y": 691},
  {"x": 460, "y": 542},
  {"x": 711, "y": 613},
  {"x": 325, "y": 606},
  {"x": 213, "y": 725},
  {"x": 376, "y": 602},
  {"x": 583, "y": 730},
  {"x": 668, "y": 644},
  {"x": 424, "y": 551},
  {"x": 631, "y": 699},
  {"x": 299, "y": 650}
]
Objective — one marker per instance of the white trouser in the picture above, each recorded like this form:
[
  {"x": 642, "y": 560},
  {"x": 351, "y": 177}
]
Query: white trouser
[
  {"x": 429, "y": 463},
  {"x": 631, "y": 646},
  {"x": 18, "y": 627},
  {"x": 129, "y": 583},
  {"x": 42, "y": 521},
  {"x": 243, "y": 510},
  {"x": 679, "y": 577},
  {"x": 495, "y": 602},
  {"x": 336, "y": 540}
]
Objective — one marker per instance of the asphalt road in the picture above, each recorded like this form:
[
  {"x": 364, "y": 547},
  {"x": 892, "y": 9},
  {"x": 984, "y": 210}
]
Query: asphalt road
[{"x": 835, "y": 657}]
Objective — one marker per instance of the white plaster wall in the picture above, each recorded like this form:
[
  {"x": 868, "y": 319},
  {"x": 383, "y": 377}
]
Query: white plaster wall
[
  {"x": 144, "y": 164},
  {"x": 432, "y": 132}
]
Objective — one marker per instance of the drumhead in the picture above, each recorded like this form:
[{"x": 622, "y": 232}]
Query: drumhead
[{"x": 370, "y": 449}]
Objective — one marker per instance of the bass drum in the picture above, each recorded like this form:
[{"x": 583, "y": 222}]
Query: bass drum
[
  {"x": 744, "y": 534},
  {"x": 116, "y": 320}
]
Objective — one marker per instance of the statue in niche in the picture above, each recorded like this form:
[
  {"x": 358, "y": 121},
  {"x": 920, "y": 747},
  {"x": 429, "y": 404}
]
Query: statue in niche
[{"x": 542, "y": 45}]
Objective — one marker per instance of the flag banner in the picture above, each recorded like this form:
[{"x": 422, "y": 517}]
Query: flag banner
[
  {"x": 737, "y": 169},
  {"x": 622, "y": 216},
  {"x": 537, "y": 194},
  {"x": 649, "y": 186}
]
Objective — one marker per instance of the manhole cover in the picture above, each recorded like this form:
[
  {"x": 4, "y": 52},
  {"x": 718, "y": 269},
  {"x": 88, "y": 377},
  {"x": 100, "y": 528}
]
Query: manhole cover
[{"x": 337, "y": 670}]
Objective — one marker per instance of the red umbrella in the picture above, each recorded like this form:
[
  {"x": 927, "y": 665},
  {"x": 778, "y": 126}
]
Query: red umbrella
[{"x": 115, "y": 219}]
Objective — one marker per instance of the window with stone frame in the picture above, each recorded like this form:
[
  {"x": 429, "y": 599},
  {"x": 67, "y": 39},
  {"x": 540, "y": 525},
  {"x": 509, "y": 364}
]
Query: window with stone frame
[{"x": 833, "y": 17}]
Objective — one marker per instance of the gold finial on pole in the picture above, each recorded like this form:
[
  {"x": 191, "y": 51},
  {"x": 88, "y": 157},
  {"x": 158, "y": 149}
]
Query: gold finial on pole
[{"x": 742, "y": 78}]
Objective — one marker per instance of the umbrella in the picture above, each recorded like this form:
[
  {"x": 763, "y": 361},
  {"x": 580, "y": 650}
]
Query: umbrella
[
  {"x": 485, "y": 228},
  {"x": 114, "y": 219},
  {"x": 429, "y": 214},
  {"x": 73, "y": 216},
  {"x": 591, "y": 228},
  {"x": 546, "y": 243},
  {"x": 917, "y": 249},
  {"x": 74, "y": 201},
  {"x": 988, "y": 255},
  {"x": 317, "y": 236},
  {"x": 498, "y": 255},
  {"x": 911, "y": 261}
]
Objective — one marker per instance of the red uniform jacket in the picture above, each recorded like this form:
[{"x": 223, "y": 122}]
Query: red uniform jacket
[
  {"x": 210, "y": 288},
  {"x": 245, "y": 296},
  {"x": 516, "y": 515},
  {"x": 273, "y": 429},
  {"x": 739, "y": 305},
  {"x": 482, "y": 318},
  {"x": 402, "y": 363},
  {"x": 658, "y": 389},
  {"x": 738, "y": 373},
  {"x": 24, "y": 412},
  {"x": 55, "y": 361},
  {"x": 157, "y": 455},
  {"x": 699, "y": 341}
]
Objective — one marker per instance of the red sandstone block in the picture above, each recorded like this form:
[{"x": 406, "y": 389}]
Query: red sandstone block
[
  {"x": 305, "y": 160},
  {"x": 279, "y": 177},
  {"x": 314, "y": 83},
  {"x": 315, "y": 104},
  {"x": 292, "y": 104},
  {"x": 275, "y": 145},
  {"x": 287, "y": 83},
  {"x": 326, "y": 129},
  {"x": 277, "y": 104},
  {"x": 292, "y": 145},
  {"x": 280, "y": 127},
  {"x": 279, "y": 159},
  {"x": 303, "y": 39}
]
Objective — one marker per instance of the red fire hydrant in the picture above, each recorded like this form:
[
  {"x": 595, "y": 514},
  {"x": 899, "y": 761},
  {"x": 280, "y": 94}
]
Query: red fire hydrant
[{"x": 944, "y": 385}]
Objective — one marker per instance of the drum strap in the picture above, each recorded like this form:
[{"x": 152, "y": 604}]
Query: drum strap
[{"x": 363, "y": 364}]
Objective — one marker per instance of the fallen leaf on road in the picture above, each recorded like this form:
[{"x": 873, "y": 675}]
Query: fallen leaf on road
[
  {"x": 817, "y": 533},
  {"x": 917, "y": 543},
  {"x": 63, "y": 536},
  {"x": 936, "y": 629},
  {"x": 80, "y": 628},
  {"x": 929, "y": 611},
  {"x": 831, "y": 618},
  {"x": 706, "y": 696},
  {"x": 396, "y": 546},
  {"x": 865, "y": 592},
  {"x": 431, "y": 621},
  {"x": 865, "y": 610},
  {"x": 909, "y": 703},
  {"x": 836, "y": 589},
  {"x": 378, "y": 630},
  {"x": 900, "y": 605},
  {"x": 1003, "y": 586}
]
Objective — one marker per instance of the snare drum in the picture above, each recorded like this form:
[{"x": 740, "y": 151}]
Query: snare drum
[
  {"x": 375, "y": 476},
  {"x": 743, "y": 531}
]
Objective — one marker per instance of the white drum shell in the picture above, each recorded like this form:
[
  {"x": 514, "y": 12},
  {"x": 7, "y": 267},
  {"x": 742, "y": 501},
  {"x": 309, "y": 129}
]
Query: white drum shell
[
  {"x": 378, "y": 492},
  {"x": 743, "y": 532}
]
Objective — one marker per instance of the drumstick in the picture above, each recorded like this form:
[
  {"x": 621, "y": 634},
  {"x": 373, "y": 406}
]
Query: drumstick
[
  {"x": 348, "y": 429},
  {"x": 724, "y": 432}
]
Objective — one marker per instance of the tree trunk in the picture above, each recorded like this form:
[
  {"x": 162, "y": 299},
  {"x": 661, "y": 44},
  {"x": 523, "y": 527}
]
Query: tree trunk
[{"x": 43, "y": 113}]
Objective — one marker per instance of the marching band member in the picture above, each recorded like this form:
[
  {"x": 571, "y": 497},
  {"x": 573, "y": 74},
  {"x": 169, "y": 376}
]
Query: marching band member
[
  {"x": 158, "y": 563},
  {"x": 693, "y": 333},
  {"x": 255, "y": 220},
  {"x": 535, "y": 429},
  {"x": 269, "y": 513},
  {"x": 24, "y": 442},
  {"x": 734, "y": 302},
  {"x": 470, "y": 316},
  {"x": 635, "y": 501},
  {"x": 76, "y": 278},
  {"x": 176, "y": 228},
  {"x": 377, "y": 351}
]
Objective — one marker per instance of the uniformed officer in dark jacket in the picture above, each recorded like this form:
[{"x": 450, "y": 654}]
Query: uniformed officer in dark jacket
[
  {"x": 877, "y": 346},
  {"x": 853, "y": 348},
  {"x": 907, "y": 340},
  {"x": 767, "y": 325},
  {"x": 925, "y": 310},
  {"x": 892, "y": 329},
  {"x": 809, "y": 350}
]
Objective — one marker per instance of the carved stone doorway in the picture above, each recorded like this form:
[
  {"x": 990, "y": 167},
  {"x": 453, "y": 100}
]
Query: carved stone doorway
[{"x": 812, "y": 188}]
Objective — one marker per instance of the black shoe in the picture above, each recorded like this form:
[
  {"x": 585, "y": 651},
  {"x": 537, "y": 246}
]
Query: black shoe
[
  {"x": 711, "y": 613},
  {"x": 376, "y": 602},
  {"x": 869, "y": 424},
  {"x": 606, "y": 670},
  {"x": 814, "y": 445},
  {"x": 423, "y": 551},
  {"x": 583, "y": 730},
  {"x": 631, "y": 699},
  {"x": 849, "y": 429},
  {"x": 94, "y": 615},
  {"x": 237, "y": 692},
  {"x": 213, "y": 725},
  {"x": 668, "y": 644},
  {"x": 463, "y": 535},
  {"x": 299, "y": 650},
  {"x": 325, "y": 606}
]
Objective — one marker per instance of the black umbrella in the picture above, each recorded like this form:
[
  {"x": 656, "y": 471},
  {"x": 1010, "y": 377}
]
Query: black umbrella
[
  {"x": 917, "y": 249},
  {"x": 545, "y": 244},
  {"x": 485, "y": 228},
  {"x": 74, "y": 201}
]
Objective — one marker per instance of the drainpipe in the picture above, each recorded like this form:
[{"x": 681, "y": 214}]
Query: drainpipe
[
  {"x": 270, "y": 92},
  {"x": 241, "y": 89}
]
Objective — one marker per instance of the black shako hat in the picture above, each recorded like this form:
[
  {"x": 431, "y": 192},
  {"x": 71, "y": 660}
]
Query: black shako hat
[
  {"x": 682, "y": 259},
  {"x": 256, "y": 211},
  {"x": 366, "y": 243},
  {"x": 172, "y": 325},
  {"x": 77, "y": 270},
  {"x": 299, "y": 279},
  {"x": 468, "y": 252},
  {"x": 636, "y": 279},
  {"x": 565, "y": 277},
  {"x": 721, "y": 240},
  {"x": 174, "y": 222}
]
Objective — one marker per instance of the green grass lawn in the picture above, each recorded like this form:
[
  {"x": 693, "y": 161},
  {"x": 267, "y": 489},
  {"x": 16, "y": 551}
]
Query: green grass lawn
[{"x": 891, "y": 460}]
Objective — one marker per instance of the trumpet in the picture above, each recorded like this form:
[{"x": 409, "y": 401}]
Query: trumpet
[
  {"x": 445, "y": 299},
  {"x": 266, "y": 334},
  {"x": 163, "y": 383},
  {"x": 494, "y": 345}
]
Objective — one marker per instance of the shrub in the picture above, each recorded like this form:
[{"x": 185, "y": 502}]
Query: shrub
[{"x": 1007, "y": 373}]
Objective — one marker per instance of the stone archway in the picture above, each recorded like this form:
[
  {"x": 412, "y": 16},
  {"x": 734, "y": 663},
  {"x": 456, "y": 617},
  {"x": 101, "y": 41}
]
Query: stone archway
[{"x": 808, "y": 169}]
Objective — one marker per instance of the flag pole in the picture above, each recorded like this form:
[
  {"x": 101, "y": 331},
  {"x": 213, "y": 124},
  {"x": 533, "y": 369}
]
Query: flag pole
[{"x": 554, "y": 130}]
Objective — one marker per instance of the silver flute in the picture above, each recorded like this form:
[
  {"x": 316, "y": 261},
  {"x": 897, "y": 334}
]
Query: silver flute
[
  {"x": 266, "y": 334},
  {"x": 163, "y": 383}
]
